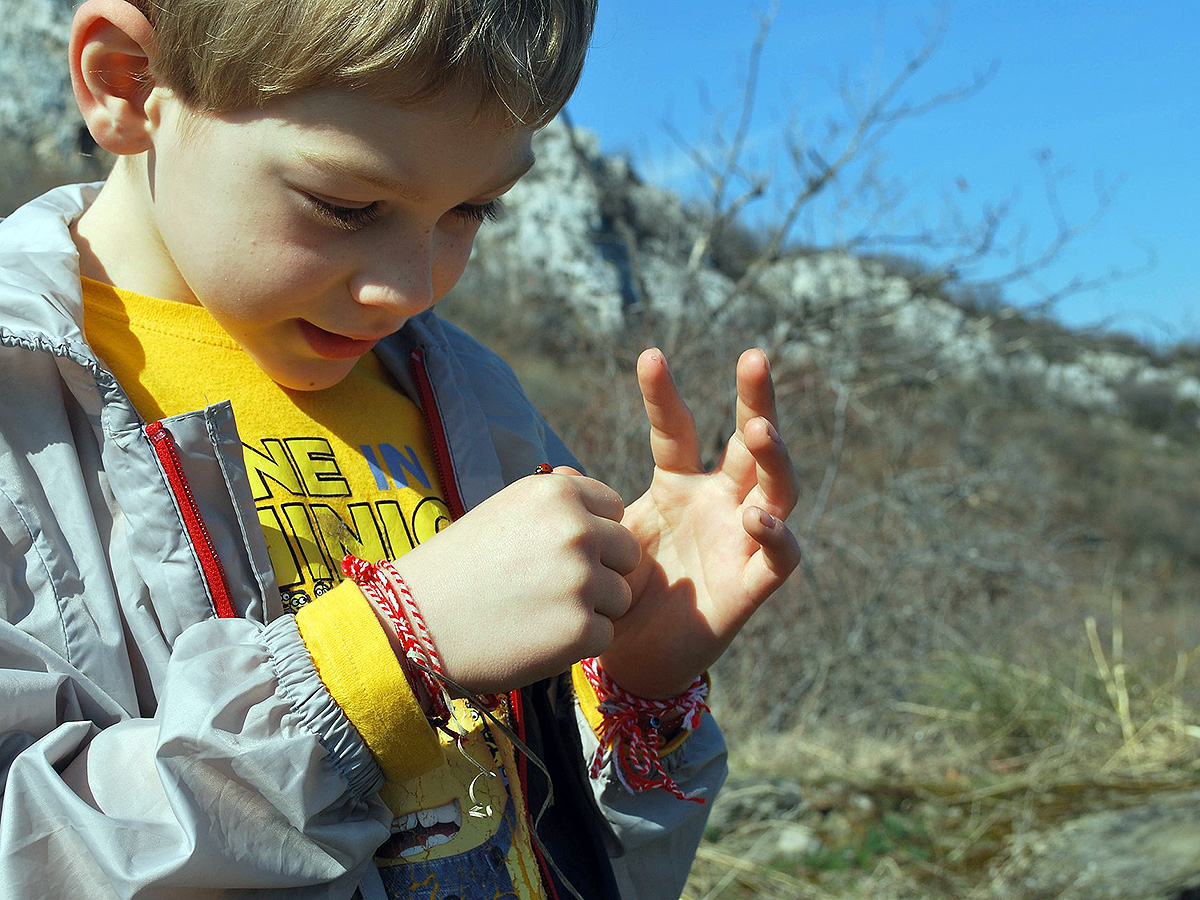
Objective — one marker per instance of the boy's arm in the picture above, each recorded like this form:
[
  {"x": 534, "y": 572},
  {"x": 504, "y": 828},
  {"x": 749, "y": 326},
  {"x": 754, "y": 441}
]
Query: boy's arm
[
  {"x": 714, "y": 548},
  {"x": 249, "y": 774}
]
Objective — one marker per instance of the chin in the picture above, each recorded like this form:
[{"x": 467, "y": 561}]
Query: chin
[{"x": 309, "y": 378}]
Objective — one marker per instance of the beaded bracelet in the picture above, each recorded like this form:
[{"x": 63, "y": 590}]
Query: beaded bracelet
[{"x": 629, "y": 734}]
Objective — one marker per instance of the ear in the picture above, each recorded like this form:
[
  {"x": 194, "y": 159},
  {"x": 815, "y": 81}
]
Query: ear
[{"x": 111, "y": 50}]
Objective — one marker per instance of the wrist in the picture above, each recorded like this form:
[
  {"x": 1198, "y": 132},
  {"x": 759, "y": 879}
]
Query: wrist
[
  {"x": 409, "y": 636},
  {"x": 407, "y": 633},
  {"x": 652, "y": 688},
  {"x": 632, "y": 731}
]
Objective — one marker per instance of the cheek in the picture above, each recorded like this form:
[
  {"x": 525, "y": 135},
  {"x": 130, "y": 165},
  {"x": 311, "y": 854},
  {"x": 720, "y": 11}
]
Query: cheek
[
  {"x": 453, "y": 253},
  {"x": 264, "y": 257}
]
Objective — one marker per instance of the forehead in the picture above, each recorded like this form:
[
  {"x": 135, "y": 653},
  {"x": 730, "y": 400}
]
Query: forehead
[{"x": 441, "y": 143}]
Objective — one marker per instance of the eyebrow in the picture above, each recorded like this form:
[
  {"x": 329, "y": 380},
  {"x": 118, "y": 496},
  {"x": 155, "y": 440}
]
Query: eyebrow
[{"x": 340, "y": 168}]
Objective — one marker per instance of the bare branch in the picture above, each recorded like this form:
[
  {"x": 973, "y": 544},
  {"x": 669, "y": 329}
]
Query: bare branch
[
  {"x": 835, "y": 460},
  {"x": 723, "y": 212}
]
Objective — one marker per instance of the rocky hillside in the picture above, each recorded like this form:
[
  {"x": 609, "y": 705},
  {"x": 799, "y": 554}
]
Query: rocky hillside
[
  {"x": 584, "y": 230},
  {"x": 586, "y": 233}
]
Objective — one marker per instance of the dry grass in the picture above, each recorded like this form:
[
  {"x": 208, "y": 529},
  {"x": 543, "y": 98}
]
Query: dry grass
[
  {"x": 994, "y": 630},
  {"x": 945, "y": 806}
]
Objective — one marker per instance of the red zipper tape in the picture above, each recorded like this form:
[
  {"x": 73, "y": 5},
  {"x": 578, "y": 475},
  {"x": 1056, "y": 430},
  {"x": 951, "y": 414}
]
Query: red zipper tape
[
  {"x": 437, "y": 434},
  {"x": 210, "y": 564}
]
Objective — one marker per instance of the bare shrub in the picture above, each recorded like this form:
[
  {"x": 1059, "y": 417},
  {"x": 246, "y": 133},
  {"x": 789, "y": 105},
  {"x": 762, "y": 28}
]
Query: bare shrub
[{"x": 1156, "y": 406}]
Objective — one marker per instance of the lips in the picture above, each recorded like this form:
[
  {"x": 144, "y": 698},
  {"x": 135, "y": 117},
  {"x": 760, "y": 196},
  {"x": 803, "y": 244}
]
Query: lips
[{"x": 335, "y": 346}]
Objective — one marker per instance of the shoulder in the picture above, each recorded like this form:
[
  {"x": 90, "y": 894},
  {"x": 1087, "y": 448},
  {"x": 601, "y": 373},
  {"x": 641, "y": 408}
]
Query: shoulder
[
  {"x": 42, "y": 344},
  {"x": 43, "y": 224},
  {"x": 39, "y": 265}
]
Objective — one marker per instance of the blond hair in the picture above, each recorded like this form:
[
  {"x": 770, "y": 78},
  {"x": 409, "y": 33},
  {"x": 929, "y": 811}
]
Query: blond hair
[{"x": 223, "y": 55}]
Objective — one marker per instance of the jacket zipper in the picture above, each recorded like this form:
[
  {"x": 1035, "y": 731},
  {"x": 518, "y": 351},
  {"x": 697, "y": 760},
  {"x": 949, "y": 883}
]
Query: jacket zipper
[
  {"x": 437, "y": 434},
  {"x": 210, "y": 564},
  {"x": 445, "y": 469}
]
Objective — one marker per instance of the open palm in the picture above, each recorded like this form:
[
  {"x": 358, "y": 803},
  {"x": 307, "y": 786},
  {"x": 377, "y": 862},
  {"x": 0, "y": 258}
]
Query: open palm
[{"x": 714, "y": 544}]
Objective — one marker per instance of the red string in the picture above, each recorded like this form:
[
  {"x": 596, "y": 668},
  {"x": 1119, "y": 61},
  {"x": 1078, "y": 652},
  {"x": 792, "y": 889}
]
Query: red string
[
  {"x": 629, "y": 734},
  {"x": 383, "y": 584}
]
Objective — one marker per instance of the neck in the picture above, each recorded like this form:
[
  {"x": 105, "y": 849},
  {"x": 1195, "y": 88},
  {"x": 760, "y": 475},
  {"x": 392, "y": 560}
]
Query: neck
[{"x": 117, "y": 237}]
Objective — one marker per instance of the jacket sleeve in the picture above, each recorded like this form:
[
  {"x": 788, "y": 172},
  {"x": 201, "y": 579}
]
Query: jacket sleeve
[
  {"x": 249, "y": 775},
  {"x": 654, "y": 836}
]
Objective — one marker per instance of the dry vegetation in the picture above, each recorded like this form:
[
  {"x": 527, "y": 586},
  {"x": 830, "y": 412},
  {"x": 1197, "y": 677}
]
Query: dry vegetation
[{"x": 995, "y": 628}]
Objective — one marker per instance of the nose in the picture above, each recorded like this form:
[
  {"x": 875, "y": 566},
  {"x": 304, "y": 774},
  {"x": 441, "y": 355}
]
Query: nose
[{"x": 398, "y": 277}]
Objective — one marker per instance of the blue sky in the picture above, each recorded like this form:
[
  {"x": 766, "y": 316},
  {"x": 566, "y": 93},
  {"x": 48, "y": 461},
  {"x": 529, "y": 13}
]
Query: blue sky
[{"x": 1111, "y": 90}]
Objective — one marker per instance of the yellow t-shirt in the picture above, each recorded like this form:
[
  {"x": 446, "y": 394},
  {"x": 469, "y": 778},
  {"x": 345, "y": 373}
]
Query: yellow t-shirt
[
  {"x": 349, "y": 469},
  {"x": 345, "y": 470}
]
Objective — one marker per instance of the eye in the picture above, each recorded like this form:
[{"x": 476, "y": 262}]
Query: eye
[
  {"x": 348, "y": 218},
  {"x": 479, "y": 212}
]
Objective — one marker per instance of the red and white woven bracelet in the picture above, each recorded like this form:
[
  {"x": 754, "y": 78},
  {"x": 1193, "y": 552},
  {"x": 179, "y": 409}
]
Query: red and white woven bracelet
[
  {"x": 629, "y": 730},
  {"x": 383, "y": 584}
]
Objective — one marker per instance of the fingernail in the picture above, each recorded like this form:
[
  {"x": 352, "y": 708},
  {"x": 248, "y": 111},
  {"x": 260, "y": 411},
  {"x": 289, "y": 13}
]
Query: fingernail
[
  {"x": 767, "y": 520},
  {"x": 773, "y": 433}
]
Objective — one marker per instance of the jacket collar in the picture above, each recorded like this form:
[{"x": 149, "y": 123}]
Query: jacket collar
[{"x": 39, "y": 258}]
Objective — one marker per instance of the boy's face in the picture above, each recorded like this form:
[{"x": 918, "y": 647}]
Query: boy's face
[{"x": 314, "y": 227}]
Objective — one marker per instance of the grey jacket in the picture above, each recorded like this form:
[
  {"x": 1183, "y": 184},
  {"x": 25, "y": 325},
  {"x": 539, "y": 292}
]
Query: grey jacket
[{"x": 149, "y": 747}]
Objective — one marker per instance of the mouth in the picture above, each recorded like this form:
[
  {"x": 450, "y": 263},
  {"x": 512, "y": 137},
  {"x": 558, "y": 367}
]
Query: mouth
[
  {"x": 422, "y": 830},
  {"x": 331, "y": 345}
]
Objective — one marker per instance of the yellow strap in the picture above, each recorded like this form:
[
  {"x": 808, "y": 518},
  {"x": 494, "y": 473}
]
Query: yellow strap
[{"x": 356, "y": 663}]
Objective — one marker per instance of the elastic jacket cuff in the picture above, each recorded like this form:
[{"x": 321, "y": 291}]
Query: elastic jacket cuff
[{"x": 319, "y": 713}]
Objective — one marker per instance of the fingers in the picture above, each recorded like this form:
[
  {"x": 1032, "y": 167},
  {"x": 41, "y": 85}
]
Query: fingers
[
  {"x": 597, "y": 635},
  {"x": 619, "y": 549},
  {"x": 596, "y": 496},
  {"x": 673, "y": 439},
  {"x": 616, "y": 547},
  {"x": 777, "y": 489},
  {"x": 767, "y": 467},
  {"x": 611, "y": 596},
  {"x": 777, "y": 556},
  {"x": 755, "y": 389}
]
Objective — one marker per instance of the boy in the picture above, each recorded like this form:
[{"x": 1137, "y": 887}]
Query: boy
[{"x": 299, "y": 181}]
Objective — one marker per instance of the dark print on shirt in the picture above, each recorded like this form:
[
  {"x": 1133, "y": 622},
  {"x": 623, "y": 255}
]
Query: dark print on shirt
[{"x": 314, "y": 509}]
